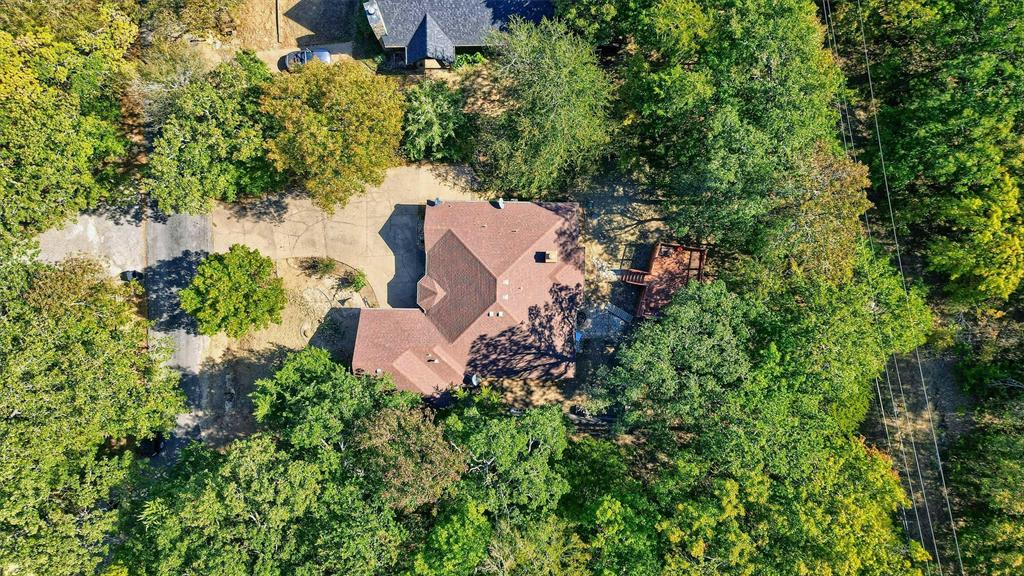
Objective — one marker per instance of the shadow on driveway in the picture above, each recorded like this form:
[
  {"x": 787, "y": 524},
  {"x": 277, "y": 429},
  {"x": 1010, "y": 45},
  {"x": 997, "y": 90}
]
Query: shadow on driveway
[
  {"x": 163, "y": 281},
  {"x": 403, "y": 233}
]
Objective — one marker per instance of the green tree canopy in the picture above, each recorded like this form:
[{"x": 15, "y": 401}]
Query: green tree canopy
[
  {"x": 234, "y": 292},
  {"x": 724, "y": 105},
  {"x": 951, "y": 89},
  {"x": 754, "y": 397},
  {"x": 211, "y": 145},
  {"x": 987, "y": 467},
  {"x": 59, "y": 116},
  {"x": 80, "y": 384},
  {"x": 435, "y": 125},
  {"x": 338, "y": 128},
  {"x": 555, "y": 125}
]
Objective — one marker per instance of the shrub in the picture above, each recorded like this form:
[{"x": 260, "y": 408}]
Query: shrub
[
  {"x": 235, "y": 293},
  {"x": 357, "y": 280},
  {"x": 435, "y": 125},
  {"x": 319, "y": 266},
  {"x": 463, "y": 60}
]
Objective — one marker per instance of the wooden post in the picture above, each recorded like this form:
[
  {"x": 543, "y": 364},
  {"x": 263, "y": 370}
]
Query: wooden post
[{"x": 277, "y": 19}]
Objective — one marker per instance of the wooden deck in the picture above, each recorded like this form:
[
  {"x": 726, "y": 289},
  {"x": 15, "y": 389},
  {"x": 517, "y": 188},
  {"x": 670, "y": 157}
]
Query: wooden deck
[{"x": 672, "y": 266}]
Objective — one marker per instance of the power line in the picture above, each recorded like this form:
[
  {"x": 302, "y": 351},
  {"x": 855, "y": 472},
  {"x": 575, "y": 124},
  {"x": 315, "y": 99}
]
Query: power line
[
  {"x": 888, "y": 443},
  {"x": 903, "y": 453},
  {"x": 899, "y": 259},
  {"x": 846, "y": 127},
  {"x": 917, "y": 465}
]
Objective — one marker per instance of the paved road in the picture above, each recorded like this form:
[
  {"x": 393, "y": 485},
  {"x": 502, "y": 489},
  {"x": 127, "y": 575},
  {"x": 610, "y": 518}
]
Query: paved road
[
  {"x": 167, "y": 250},
  {"x": 174, "y": 247},
  {"x": 114, "y": 236}
]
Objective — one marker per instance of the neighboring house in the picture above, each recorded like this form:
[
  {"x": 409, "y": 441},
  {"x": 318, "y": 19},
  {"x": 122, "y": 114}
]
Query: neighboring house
[
  {"x": 422, "y": 30},
  {"x": 503, "y": 285}
]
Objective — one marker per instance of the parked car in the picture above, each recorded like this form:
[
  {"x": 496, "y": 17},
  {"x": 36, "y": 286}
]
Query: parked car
[{"x": 295, "y": 60}]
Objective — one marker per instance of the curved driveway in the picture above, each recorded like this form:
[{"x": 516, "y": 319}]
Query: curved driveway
[{"x": 379, "y": 232}]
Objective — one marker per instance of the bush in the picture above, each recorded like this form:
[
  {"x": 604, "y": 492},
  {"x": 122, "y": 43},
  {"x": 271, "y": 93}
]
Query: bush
[
  {"x": 463, "y": 60},
  {"x": 235, "y": 293},
  {"x": 319, "y": 266},
  {"x": 357, "y": 280},
  {"x": 435, "y": 125}
]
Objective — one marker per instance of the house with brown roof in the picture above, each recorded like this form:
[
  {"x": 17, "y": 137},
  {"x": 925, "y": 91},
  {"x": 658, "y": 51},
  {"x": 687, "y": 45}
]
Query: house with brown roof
[{"x": 502, "y": 287}]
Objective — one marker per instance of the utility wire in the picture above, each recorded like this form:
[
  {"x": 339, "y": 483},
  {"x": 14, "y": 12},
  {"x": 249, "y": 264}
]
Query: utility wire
[
  {"x": 917, "y": 464},
  {"x": 903, "y": 276},
  {"x": 849, "y": 144}
]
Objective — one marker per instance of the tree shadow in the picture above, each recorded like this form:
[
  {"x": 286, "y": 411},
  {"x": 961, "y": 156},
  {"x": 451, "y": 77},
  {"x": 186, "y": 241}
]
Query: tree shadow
[
  {"x": 220, "y": 408},
  {"x": 327, "y": 20},
  {"x": 543, "y": 346},
  {"x": 270, "y": 207},
  {"x": 620, "y": 212},
  {"x": 403, "y": 234},
  {"x": 163, "y": 280},
  {"x": 567, "y": 237},
  {"x": 337, "y": 333},
  {"x": 458, "y": 176},
  {"x": 128, "y": 213}
]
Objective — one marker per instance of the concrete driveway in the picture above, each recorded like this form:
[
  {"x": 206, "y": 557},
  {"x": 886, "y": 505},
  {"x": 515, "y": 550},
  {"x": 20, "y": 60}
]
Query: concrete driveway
[
  {"x": 115, "y": 236},
  {"x": 380, "y": 232}
]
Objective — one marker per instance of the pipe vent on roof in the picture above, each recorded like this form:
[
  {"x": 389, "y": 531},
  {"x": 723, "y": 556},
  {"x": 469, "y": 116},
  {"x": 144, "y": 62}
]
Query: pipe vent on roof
[{"x": 375, "y": 19}]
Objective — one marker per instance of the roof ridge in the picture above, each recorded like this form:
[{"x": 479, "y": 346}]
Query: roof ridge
[{"x": 483, "y": 262}]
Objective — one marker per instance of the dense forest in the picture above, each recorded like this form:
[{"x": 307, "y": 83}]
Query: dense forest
[{"x": 735, "y": 442}]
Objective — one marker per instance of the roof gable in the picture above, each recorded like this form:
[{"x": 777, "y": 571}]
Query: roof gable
[
  {"x": 468, "y": 287},
  {"x": 419, "y": 24},
  {"x": 430, "y": 41},
  {"x": 491, "y": 305}
]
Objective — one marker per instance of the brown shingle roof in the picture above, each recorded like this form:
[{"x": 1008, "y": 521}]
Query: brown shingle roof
[
  {"x": 491, "y": 303},
  {"x": 467, "y": 284}
]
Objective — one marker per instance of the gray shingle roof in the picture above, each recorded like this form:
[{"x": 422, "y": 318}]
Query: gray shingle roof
[
  {"x": 430, "y": 41},
  {"x": 434, "y": 28}
]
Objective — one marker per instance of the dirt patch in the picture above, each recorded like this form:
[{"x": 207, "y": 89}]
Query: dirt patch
[
  {"x": 482, "y": 93},
  {"x": 915, "y": 408},
  {"x": 321, "y": 311},
  {"x": 264, "y": 24}
]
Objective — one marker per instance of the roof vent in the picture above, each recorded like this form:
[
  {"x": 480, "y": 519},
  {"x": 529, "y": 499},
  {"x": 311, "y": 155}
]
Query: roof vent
[
  {"x": 374, "y": 19},
  {"x": 501, "y": 203},
  {"x": 550, "y": 256}
]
